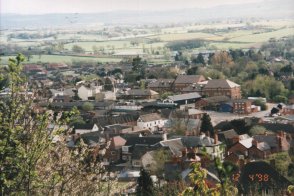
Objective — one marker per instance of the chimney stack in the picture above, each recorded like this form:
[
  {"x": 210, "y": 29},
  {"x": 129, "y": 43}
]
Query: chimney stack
[
  {"x": 254, "y": 142},
  {"x": 241, "y": 163},
  {"x": 164, "y": 136},
  {"x": 184, "y": 152},
  {"x": 235, "y": 139},
  {"x": 215, "y": 137}
]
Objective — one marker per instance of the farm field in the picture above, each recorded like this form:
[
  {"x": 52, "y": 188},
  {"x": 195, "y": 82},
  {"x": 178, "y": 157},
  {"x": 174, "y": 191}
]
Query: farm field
[
  {"x": 88, "y": 46},
  {"x": 80, "y": 36},
  {"x": 221, "y": 35},
  {"x": 61, "y": 59},
  {"x": 117, "y": 46},
  {"x": 230, "y": 45},
  {"x": 183, "y": 36},
  {"x": 262, "y": 37}
]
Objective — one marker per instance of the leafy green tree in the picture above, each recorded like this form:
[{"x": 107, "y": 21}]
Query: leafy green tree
[
  {"x": 200, "y": 187},
  {"x": 160, "y": 157},
  {"x": 139, "y": 67},
  {"x": 261, "y": 103},
  {"x": 137, "y": 64},
  {"x": 145, "y": 184},
  {"x": 282, "y": 161},
  {"x": 222, "y": 60},
  {"x": 225, "y": 171},
  {"x": 212, "y": 73},
  {"x": 290, "y": 189},
  {"x": 287, "y": 69},
  {"x": 206, "y": 125},
  {"x": 174, "y": 188},
  {"x": 108, "y": 86},
  {"x": 199, "y": 59},
  {"x": 78, "y": 49},
  {"x": 32, "y": 161},
  {"x": 257, "y": 130},
  {"x": 192, "y": 70},
  {"x": 87, "y": 106},
  {"x": 265, "y": 86},
  {"x": 280, "y": 99}
]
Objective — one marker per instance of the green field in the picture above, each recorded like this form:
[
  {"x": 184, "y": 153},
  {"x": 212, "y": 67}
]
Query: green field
[
  {"x": 62, "y": 59},
  {"x": 226, "y": 45},
  {"x": 263, "y": 37},
  {"x": 117, "y": 46},
  {"x": 79, "y": 36},
  {"x": 183, "y": 36},
  {"x": 224, "y": 35},
  {"x": 88, "y": 46}
]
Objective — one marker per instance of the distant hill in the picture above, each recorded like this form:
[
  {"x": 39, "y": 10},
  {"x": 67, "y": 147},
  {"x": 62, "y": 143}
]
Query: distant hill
[{"x": 269, "y": 9}]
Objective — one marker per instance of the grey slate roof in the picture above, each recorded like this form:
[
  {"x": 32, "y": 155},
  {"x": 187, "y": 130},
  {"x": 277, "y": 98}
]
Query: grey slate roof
[
  {"x": 185, "y": 96},
  {"x": 139, "y": 151},
  {"x": 217, "y": 99},
  {"x": 175, "y": 145},
  {"x": 263, "y": 146},
  {"x": 270, "y": 139},
  {"x": 91, "y": 138},
  {"x": 161, "y": 83},
  {"x": 134, "y": 140},
  {"x": 140, "y": 92},
  {"x": 275, "y": 127},
  {"x": 84, "y": 126},
  {"x": 189, "y": 79},
  {"x": 225, "y": 135},
  {"x": 150, "y": 117},
  {"x": 196, "y": 141}
]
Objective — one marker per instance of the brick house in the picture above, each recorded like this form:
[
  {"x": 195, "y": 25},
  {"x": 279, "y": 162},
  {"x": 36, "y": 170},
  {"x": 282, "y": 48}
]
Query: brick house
[
  {"x": 289, "y": 109},
  {"x": 242, "y": 106},
  {"x": 183, "y": 81},
  {"x": 193, "y": 88},
  {"x": 222, "y": 87},
  {"x": 259, "y": 150},
  {"x": 114, "y": 153},
  {"x": 241, "y": 147},
  {"x": 277, "y": 142},
  {"x": 259, "y": 146}
]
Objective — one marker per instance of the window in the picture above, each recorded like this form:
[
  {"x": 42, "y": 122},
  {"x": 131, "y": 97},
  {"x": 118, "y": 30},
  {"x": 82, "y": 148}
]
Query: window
[
  {"x": 113, "y": 153},
  {"x": 125, "y": 148}
]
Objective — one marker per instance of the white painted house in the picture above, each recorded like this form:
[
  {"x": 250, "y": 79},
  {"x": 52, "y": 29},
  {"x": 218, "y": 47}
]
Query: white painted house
[
  {"x": 85, "y": 128},
  {"x": 84, "y": 92},
  {"x": 151, "y": 121}
]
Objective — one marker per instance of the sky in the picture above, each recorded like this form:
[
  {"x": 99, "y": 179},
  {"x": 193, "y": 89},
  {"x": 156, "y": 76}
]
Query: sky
[{"x": 95, "y": 6}]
